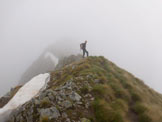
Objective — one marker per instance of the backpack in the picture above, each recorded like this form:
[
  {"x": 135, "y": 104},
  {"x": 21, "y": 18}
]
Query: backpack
[{"x": 81, "y": 46}]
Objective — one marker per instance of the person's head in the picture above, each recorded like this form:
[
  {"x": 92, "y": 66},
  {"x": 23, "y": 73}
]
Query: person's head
[{"x": 85, "y": 41}]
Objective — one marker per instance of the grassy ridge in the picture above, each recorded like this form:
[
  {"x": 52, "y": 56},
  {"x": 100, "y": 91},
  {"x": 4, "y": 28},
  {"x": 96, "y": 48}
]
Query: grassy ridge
[{"x": 119, "y": 96}]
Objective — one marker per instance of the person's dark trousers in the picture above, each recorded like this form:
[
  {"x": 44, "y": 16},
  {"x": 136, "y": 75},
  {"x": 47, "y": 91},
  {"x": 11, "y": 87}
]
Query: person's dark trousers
[{"x": 85, "y": 51}]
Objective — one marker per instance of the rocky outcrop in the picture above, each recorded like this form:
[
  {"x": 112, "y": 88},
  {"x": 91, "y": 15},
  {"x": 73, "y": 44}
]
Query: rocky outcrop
[{"x": 53, "y": 104}]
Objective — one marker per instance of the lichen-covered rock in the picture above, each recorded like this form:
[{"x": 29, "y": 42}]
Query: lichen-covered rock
[
  {"x": 66, "y": 104},
  {"x": 75, "y": 96},
  {"x": 97, "y": 81},
  {"x": 52, "y": 112},
  {"x": 64, "y": 115}
]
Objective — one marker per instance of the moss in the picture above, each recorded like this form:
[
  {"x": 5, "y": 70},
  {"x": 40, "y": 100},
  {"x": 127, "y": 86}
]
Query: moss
[
  {"x": 45, "y": 102},
  {"x": 44, "y": 119}
]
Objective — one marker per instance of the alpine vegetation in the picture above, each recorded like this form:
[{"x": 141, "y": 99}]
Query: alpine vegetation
[{"x": 91, "y": 89}]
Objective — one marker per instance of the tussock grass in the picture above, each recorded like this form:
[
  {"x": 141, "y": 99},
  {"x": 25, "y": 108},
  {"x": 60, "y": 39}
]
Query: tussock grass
[
  {"x": 139, "y": 108},
  {"x": 104, "y": 113},
  {"x": 120, "y": 92},
  {"x": 144, "y": 118},
  {"x": 119, "y": 104},
  {"x": 103, "y": 91},
  {"x": 116, "y": 94},
  {"x": 135, "y": 96}
]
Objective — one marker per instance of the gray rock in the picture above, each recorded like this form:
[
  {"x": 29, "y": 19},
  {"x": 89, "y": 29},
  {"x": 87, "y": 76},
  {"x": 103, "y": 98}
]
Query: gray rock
[
  {"x": 62, "y": 94},
  {"x": 59, "y": 99},
  {"x": 73, "y": 67},
  {"x": 67, "y": 104},
  {"x": 52, "y": 112},
  {"x": 36, "y": 102},
  {"x": 87, "y": 105},
  {"x": 67, "y": 85},
  {"x": 42, "y": 95},
  {"x": 29, "y": 119},
  {"x": 97, "y": 81},
  {"x": 75, "y": 96},
  {"x": 67, "y": 120},
  {"x": 51, "y": 97},
  {"x": 64, "y": 115},
  {"x": 92, "y": 99},
  {"x": 51, "y": 91},
  {"x": 88, "y": 95},
  {"x": 79, "y": 103},
  {"x": 47, "y": 93}
]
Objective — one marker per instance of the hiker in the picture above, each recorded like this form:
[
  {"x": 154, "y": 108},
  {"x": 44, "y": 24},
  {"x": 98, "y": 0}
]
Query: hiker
[{"x": 83, "y": 47}]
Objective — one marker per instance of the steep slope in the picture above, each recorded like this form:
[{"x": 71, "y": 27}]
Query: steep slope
[
  {"x": 92, "y": 90},
  {"x": 25, "y": 93},
  {"x": 7, "y": 97}
]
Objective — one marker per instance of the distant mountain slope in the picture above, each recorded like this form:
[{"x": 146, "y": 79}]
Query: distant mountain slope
[
  {"x": 45, "y": 63},
  {"x": 92, "y": 90},
  {"x": 48, "y": 60}
]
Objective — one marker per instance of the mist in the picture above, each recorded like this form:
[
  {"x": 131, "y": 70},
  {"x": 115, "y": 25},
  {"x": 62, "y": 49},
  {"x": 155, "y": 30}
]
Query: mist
[{"x": 126, "y": 32}]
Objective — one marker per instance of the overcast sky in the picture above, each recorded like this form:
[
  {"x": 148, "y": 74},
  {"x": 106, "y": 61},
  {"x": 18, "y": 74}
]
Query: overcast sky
[{"x": 128, "y": 32}]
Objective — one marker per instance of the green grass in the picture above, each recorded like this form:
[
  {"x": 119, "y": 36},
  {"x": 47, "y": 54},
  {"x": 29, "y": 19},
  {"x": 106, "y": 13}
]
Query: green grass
[
  {"x": 104, "y": 113},
  {"x": 144, "y": 118},
  {"x": 119, "y": 104},
  {"x": 98, "y": 90},
  {"x": 102, "y": 91},
  {"x": 139, "y": 108},
  {"x": 117, "y": 93},
  {"x": 135, "y": 97}
]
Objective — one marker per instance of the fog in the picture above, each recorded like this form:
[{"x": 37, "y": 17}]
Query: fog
[{"x": 126, "y": 32}]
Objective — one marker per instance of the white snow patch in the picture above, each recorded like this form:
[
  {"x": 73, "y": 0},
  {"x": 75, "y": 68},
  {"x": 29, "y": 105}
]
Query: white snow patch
[
  {"x": 52, "y": 57},
  {"x": 27, "y": 92}
]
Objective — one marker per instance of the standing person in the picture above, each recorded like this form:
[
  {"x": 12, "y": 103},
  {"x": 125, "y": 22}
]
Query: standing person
[{"x": 83, "y": 47}]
